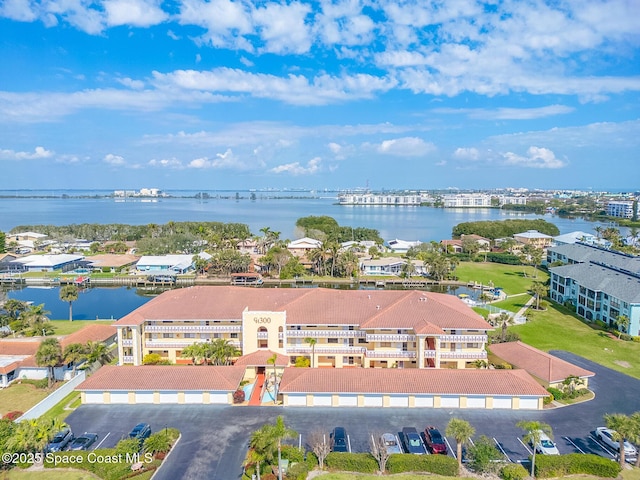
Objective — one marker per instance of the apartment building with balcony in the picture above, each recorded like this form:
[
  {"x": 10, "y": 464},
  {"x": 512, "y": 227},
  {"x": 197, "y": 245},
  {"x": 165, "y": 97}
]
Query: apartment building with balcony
[
  {"x": 620, "y": 208},
  {"x": 363, "y": 328}
]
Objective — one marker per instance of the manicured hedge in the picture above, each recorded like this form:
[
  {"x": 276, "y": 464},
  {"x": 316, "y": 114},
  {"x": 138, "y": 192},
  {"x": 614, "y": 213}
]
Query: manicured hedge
[
  {"x": 438, "y": 464},
  {"x": 504, "y": 258},
  {"x": 352, "y": 462},
  {"x": 549, "y": 466},
  {"x": 513, "y": 471}
]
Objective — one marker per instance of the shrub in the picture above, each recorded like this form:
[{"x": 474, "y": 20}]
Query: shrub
[
  {"x": 547, "y": 400},
  {"x": 12, "y": 415},
  {"x": 297, "y": 471},
  {"x": 438, "y": 464},
  {"x": 483, "y": 455},
  {"x": 238, "y": 396},
  {"x": 550, "y": 466},
  {"x": 151, "y": 359},
  {"x": 128, "y": 446},
  {"x": 293, "y": 454},
  {"x": 557, "y": 394},
  {"x": 352, "y": 462},
  {"x": 504, "y": 258},
  {"x": 513, "y": 472},
  {"x": 42, "y": 383}
]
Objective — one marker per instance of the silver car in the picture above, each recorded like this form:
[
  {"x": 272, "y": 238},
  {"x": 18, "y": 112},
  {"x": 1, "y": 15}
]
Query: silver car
[
  {"x": 605, "y": 435},
  {"x": 546, "y": 446},
  {"x": 390, "y": 442}
]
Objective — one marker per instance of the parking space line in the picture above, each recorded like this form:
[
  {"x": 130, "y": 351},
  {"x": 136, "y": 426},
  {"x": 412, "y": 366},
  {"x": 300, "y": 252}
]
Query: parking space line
[
  {"x": 399, "y": 444},
  {"x": 471, "y": 442},
  {"x": 102, "y": 441},
  {"x": 449, "y": 447},
  {"x": 577, "y": 447},
  {"x": 525, "y": 446},
  {"x": 502, "y": 450},
  {"x": 602, "y": 446},
  {"x": 349, "y": 442},
  {"x": 300, "y": 442}
]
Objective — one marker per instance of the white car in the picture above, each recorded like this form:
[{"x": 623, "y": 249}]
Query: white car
[
  {"x": 546, "y": 446},
  {"x": 390, "y": 442},
  {"x": 605, "y": 435}
]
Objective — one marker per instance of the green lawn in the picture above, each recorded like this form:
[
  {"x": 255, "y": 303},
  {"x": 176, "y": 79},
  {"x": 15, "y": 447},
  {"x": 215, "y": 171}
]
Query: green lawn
[
  {"x": 20, "y": 397},
  {"x": 511, "y": 278},
  {"x": 59, "y": 474},
  {"x": 402, "y": 476},
  {"x": 63, "y": 408},
  {"x": 514, "y": 303},
  {"x": 65, "y": 327},
  {"x": 558, "y": 329}
]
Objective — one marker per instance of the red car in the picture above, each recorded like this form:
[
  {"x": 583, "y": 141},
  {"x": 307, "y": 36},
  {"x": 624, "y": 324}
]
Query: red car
[{"x": 435, "y": 441}]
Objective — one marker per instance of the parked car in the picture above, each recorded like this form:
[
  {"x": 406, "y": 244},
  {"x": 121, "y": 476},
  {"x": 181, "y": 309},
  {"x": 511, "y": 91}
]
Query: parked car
[
  {"x": 605, "y": 435},
  {"x": 546, "y": 446},
  {"x": 390, "y": 442},
  {"x": 412, "y": 441},
  {"x": 338, "y": 438},
  {"x": 435, "y": 441},
  {"x": 84, "y": 441},
  {"x": 60, "y": 440},
  {"x": 141, "y": 431}
]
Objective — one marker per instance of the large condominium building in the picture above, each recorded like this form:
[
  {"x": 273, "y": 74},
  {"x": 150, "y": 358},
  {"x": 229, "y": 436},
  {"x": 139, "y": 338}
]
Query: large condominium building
[
  {"x": 620, "y": 208},
  {"x": 467, "y": 200},
  {"x": 379, "y": 199},
  {"x": 333, "y": 328}
]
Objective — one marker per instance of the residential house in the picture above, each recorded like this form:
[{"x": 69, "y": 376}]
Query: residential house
[
  {"x": 389, "y": 266},
  {"x": 483, "y": 243},
  {"x": 170, "y": 264},
  {"x": 301, "y": 247},
  {"x": 401, "y": 246},
  {"x": 112, "y": 262},
  {"x": 452, "y": 246},
  {"x": 47, "y": 263},
  {"x": 249, "y": 246},
  {"x": 575, "y": 237},
  {"x": 534, "y": 238}
]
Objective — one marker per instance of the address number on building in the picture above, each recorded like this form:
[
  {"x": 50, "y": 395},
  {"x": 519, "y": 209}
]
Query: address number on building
[{"x": 262, "y": 319}]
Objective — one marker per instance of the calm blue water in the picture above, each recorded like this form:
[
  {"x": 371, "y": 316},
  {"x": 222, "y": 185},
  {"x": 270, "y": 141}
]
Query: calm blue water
[{"x": 407, "y": 223}]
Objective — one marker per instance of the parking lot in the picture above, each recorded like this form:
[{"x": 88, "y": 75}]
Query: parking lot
[{"x": 214, "y": 438}]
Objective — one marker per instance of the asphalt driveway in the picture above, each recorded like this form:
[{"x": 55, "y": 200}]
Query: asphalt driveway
[{"x": 214, "y": 438}]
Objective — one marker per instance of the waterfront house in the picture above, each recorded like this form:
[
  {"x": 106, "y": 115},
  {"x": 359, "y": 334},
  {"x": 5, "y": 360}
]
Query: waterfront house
[
  {"x": 575, "y": 237},
  {"x": 111, "y": 261},
  {"x": 389, "y": 266},
  {"x": 452, "y": 246},
  {"x": 302, "y": 246},
  {"x": 172, "y": 264},
  {"x": 534, "y": 238},
  {"x": 401, "y": 246},
  {"x": 47, "y": 263}
]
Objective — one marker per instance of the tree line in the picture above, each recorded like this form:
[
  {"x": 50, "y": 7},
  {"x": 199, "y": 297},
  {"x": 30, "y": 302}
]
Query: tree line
[{"x": 493, "y": 229}]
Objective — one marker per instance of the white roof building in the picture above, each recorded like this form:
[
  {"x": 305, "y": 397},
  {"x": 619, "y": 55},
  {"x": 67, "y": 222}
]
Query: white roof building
[
  {"x": 402, "y": 246},
  {"x": 168, "y": 263},
  {"x": 46, "y": 262}
]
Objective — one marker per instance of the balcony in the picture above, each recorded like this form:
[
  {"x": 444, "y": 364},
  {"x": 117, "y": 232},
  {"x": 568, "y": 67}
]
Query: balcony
[
  {"x": 464, "y": 338},
  {"x": 327, "y": 350},
  {"x": 463, "y": 355},
  {"x": 178, "y": 344},
  {"x": 127, "y": 342},
  {"x": 127, "y": 359},
  {"x": 193, "y": 328},
  {"x": 326, "y": 333},
  {"x": 383, "y": 337},
  {"x": 429, "y": 354},
  {"x": 390, "y": 354},
  {"x": 263, "y": 335}
]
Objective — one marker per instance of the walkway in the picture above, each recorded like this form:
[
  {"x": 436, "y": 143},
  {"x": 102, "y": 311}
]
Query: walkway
[{"x": 257, "y": 390}]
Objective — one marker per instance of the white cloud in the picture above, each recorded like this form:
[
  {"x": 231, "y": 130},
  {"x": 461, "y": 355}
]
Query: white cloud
[
  {"x": 166, "y": 162},
  {"x": 20, "y": 10},
  {"x": 467, "y": 153},
  {"x": 405, "y": 147},
  {"x": 508, "y": 113},
  {"x": 138, "y": 13},
  {"x": 283, "y": 27},
  {"x": 313, "y": 166},
  {"x": 38, "y": 153},
  {"x": 112, "y": 159},
  {"x": 536, "y": 157}
]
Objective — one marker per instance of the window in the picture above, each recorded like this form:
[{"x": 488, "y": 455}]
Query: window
[
  {"x": 234, "y": 335},
  {"x": 189, "y": 335},
  {"x": 385, "y": 344},
  {"x": 362, "y": 340},
  {"x": 167, "y": 335},
  {"x": 472, "y": 345},
  {"x": 332, "y": 340}
]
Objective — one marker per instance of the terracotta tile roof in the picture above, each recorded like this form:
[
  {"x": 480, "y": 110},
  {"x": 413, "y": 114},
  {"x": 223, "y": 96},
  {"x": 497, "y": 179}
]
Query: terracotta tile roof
[
  {"x": 538, "y": 363},
  {"x": 259, "y": 359},
  {"x": 17, "y": 347},
  {"x": 164, "y": 377},
  {"x": 91, "y": 333},
  {"x": 316, "y": 306},
  {"x": 430, "y": 381},
  {"x": 112, "y": 259}
]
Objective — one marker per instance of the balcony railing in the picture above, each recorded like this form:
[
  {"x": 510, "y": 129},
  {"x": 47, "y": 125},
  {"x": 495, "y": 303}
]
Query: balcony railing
[
  {"x": 384, "y": 337},
  {"x": 326, "y": 333},
  {"x": 174, "y": 344},
  {"x": 390, "y": 354},
  {"x": 429, "y": 354},
  {"x": 464, "y": 338},
  {"x": 193, "y": 328},
  {"x": 463, "y": 355},
  {"x": 327, "y": 350},
  {"x": 263, "y": 335},
  {"x": 127, "y": 342},
  {"x": 127, "y": 359}
]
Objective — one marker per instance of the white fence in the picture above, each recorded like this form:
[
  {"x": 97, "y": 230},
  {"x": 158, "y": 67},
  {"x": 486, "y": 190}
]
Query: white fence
[{"x": 53, "y": 399}]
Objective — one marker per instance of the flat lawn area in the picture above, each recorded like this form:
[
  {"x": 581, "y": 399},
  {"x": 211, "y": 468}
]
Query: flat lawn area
[
  {"x": 71, "y": 401},
  {"x": 400, "y": 476},
  {"x": 20, "y": 397},
  {"x": 558, "y": 329},
  {"x": 514, "y": 303},
  {"x": 59, "y": 474},
  {"x": 511, "y": 278},
  {"x": 65, "y": 327}
]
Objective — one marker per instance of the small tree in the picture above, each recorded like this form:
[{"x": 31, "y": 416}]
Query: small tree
[
  {"x": 157, "y": 442},
  {"x": 379, "y": 451},
  {"x": 319, "y": 446},
  {"x": 539, "y": 290},
  {"x": 570, "y": 383},
  {"x": 462, "y": 431},
  {"x": 49, "y": 355},
  {"x": 69, "y": 293},
  {"x": 503, "y": 321},
  {"x": 622, "y": 324},
  {"x": 635, "y": 435},
  {"x": 312, "y": 342},
  {"x": 75, "y": 353},
  {"x": 533, "y": 432},
  {"x": 482, "y": 455}
]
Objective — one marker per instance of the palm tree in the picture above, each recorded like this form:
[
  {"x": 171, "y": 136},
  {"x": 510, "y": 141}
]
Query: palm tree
[
  {"x": 220, "y": 351},
  {"x": 312, "y": 342},
  {"x": 36, "y": 317},
  {"x": 195, "y": 352},
  {"x": 279, "y": 433},
  {"x": 272, "y": 361},
  {"x": 533, "y": 432},
  {"x": 261, "y": 445},
  {"x": 503, "y": 321},
  {"x": 623, "y": 427},
  {"x": 75, "y": 353},
  {"x": 49, "y": 355},
  {"x": 462, "y": 431},
  {"x": 539, "y": 290},
  {"x": 622, "y": 324},
  {"x": 69, "y": 293},
  {"x": 635, "y": 436},
  {"x": 97, "y": 352}
]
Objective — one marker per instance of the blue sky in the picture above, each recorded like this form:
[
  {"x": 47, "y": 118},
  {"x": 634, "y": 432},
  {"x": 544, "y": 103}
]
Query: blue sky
[{"x": 219, "y": 94}]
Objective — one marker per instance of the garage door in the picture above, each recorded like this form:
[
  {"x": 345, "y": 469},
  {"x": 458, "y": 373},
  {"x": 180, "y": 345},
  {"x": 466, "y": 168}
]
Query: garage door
[
  {"x": 373, "y": 400},
  {"x": 168, "y": 397},
  {"x": 192, "y": 397},
  {"x": 529, "y": 403},
  {"x": 321, "y": 400},
  {"x": 501, "y": 402},
  {"x": 144, "y": 397},
  {"x": 423, "y": 401},
  {"x": 476, "y": 401},
  {"x": 345, "y": 400},
  {"x": 299, "y": 400},
  {"x": 450, "y": 401},
  {"x": 398, "y": 400},
  {"x": 218, "y": 397},
  {"x": 119, "y": 397},
  {"x": 93, "y": 397}
]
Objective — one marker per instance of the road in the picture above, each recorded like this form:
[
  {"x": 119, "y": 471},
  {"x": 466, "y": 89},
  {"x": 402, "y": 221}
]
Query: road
[{"x": 214, "y": 437}]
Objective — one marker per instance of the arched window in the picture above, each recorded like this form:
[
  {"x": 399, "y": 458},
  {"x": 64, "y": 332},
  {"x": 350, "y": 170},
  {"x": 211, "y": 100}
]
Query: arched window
[
  {"x": 263, "y": 337},
  {"x": 280, "y": 337}
]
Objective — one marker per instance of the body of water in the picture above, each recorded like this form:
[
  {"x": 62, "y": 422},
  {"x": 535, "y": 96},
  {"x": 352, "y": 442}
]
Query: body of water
[{"x": 279, "y": 214}]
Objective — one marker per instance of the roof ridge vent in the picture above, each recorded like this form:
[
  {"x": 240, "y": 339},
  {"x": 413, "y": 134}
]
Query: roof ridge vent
[{"x": 377, "y": 307}]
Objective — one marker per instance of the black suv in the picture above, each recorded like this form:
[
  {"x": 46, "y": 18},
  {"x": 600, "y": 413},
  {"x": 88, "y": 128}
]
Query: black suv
[
  {"x": 141, "y": 431},
  {"x": 339, "y": 440}
]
